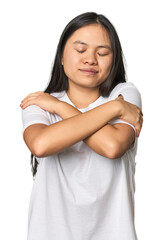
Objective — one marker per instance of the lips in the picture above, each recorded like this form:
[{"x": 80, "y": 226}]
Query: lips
[{"x": 89, "y": 70}]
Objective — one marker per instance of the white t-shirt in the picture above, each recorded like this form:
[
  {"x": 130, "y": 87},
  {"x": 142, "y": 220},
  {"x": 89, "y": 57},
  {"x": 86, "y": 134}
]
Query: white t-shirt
[{"x": 79, "y": 194}]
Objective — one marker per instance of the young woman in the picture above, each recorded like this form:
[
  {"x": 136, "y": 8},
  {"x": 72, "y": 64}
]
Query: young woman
[{"x": 82, "y": 132}]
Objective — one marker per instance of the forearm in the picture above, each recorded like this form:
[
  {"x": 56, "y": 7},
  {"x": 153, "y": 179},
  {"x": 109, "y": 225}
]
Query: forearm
[
  {"x": 96, "y": 141},
  {"x": 110, "y": 141},
  {"x": 65, "y": 110},
  {"x": 69, "y": 131}
]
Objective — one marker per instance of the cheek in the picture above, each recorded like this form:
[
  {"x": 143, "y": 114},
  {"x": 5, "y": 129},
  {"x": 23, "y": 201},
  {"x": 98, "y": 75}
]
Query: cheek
[
  {"x": 107, "y": 66},
  {"x": 70, "y": 58},
  {"x": 70, "y": 63}
]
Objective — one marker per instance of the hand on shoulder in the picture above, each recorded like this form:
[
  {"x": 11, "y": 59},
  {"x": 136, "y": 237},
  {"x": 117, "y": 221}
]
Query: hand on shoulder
[{"x": 41, "y": 99}]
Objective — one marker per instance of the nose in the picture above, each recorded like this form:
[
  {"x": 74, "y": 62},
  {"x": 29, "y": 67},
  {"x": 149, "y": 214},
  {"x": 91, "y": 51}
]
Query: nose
[{"x": 90, "y": 58}]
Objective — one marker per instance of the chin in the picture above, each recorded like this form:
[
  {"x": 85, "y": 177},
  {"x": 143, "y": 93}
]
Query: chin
[{"x": 87, "y": 82}]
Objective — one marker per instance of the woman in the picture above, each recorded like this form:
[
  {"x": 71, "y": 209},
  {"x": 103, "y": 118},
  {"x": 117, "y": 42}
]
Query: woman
[{"x": 83, "y": 132}]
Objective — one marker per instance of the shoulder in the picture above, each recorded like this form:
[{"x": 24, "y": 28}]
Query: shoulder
[
  {"x": 58, "y": 94},
  {"x": 123, "y": 86},
  {"x": 33, "y": 109},
  {"x": 36, "y": 109},
  {"x": 129, "y": 91}
]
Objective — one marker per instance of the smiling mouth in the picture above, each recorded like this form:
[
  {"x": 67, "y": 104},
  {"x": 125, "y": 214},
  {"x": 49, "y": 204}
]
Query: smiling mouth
[{"x": 89, "y": 71}]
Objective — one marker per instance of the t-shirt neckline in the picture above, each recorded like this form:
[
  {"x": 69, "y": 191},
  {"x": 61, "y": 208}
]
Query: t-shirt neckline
[{"x": 88, "y": 107}]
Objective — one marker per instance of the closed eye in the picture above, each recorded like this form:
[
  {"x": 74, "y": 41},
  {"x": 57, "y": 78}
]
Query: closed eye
[
  {"x": 102, "y": 55},
  {"x": 82, "y": 51}
]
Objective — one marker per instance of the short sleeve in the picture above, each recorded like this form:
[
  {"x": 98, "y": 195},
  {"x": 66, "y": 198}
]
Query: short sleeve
[
  {"x": 34, "y": 114},
  {"x": 130, "y": 94}
]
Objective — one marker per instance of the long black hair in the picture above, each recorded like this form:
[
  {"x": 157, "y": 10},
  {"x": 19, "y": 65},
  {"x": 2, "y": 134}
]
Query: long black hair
[{"x": 58, "y": 79}]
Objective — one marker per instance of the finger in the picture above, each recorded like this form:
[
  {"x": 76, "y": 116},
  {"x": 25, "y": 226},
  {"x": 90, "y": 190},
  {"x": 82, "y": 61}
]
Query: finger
[
  {"x": 139, "y": 127},
  {"x": 29, "y": 98},
  {"x": 27, "y": 102},
  {"x": 32, "y": 94},
  {"x": 141, "y": 123},
  {"x": 140, "y": 112},
  {"x": 141, "y": 120},
  {"x": 137, "y": 132},
  {"x": 121, "y": 96}
]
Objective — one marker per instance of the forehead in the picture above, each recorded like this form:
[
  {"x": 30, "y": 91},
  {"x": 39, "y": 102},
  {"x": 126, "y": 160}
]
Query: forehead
[{"x": 93, "y": 34}]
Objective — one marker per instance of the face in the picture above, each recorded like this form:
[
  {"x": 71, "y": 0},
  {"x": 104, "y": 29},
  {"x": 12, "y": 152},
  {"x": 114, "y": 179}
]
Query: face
[{"x": 88, "y": 56}]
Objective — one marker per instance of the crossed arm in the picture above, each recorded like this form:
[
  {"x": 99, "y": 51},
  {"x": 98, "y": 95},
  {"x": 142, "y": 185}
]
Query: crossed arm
[{"x": 106, "y": 140}]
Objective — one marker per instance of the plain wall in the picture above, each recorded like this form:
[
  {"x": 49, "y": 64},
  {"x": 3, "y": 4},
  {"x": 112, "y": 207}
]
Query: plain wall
[{"x": 30, "y": 30}]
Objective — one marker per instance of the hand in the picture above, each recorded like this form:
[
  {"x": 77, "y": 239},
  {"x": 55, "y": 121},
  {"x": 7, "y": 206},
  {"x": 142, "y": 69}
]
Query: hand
[
  {"x": 41, "y": 99},
  {"x": 131, "y": 114}
]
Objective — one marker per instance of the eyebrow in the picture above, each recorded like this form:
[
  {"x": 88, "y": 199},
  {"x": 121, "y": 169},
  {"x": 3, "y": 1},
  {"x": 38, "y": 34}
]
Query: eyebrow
[{"x": 100, "y": 46}]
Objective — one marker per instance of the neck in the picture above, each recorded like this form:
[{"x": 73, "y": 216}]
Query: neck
[{"x": 82, "y": 97}]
